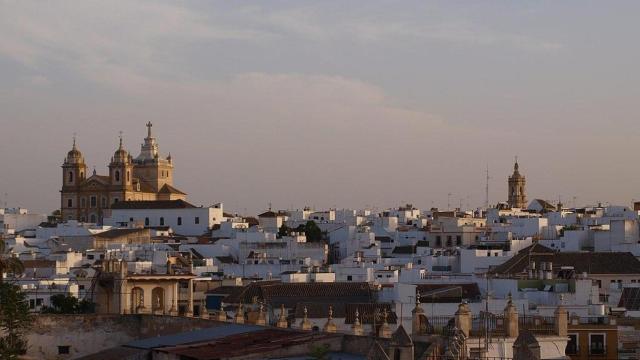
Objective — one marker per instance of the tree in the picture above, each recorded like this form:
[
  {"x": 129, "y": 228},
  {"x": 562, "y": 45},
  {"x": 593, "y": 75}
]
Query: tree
[
  {"x": 68, "y": 304},
  {"x": 284, "y": 230},
  {"x": 14, "y": 321},
  {"x": 8, "y": 263},
  {"x": 319, "y": 352},
  {"x": 312, "y": 232}
]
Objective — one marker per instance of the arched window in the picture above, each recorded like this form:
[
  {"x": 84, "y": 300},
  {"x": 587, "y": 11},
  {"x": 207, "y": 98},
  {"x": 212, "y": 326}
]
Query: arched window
[
  {"x": 117, "y": 176},
  {"x": 128, "y": 176},
  {"x": 70, "y": 176},
  {"x": 93, "y": 218}
]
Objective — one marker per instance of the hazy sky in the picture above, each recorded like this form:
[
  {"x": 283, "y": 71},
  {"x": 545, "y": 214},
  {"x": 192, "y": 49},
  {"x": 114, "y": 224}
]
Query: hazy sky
[{"x": 327, "y": 103}]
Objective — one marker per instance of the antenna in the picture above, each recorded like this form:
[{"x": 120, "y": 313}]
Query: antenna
[
  {"x": 448, "y": 201},
  {"x": 486, "y": 190}
]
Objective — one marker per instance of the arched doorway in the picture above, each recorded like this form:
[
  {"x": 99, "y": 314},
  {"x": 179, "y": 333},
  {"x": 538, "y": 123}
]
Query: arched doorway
[
  {"x": 157, "y": 299},
  {"x": 137, "y": 300}
]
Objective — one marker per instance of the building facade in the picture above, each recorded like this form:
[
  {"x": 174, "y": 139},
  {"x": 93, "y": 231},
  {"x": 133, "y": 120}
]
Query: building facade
[{"x": 146, "y": 177}]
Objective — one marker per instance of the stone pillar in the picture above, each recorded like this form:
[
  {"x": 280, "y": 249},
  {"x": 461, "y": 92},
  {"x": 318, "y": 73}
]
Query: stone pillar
[
  {"x": 305, "y": 324},
  {"x": 385, "y": 330},
  {"x": 330, "y": 326},
  {"x": 418, "y": 326},
  {"x": 282, "y": 320},
  {"x": 239, "y": 317},
  {"x": 463, "y": 318},
  {"x": 190, "y": 301},
  {"x": 174, "y": 300},
  {"x": 204, "y": 312},
  {"x": 221, "y": 315},
  {"x": 261, "y": 320},
  {"x": 562, "y": 323},
  {"x": 510, "y": 319},
  {"x": 357, "y": 326}
]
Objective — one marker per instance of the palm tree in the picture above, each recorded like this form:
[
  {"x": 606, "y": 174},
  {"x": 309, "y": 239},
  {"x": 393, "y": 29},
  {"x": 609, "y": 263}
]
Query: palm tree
[{"x": 8, "y": 263}]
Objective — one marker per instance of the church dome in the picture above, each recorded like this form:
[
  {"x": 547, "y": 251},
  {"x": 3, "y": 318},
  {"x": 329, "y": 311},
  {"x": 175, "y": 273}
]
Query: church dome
[
  {"x": 74, "y": 156},
  {"x": 121, "y": 155}
]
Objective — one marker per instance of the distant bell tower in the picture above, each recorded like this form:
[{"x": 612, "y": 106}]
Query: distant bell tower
[{"x": 517, "y": 188}]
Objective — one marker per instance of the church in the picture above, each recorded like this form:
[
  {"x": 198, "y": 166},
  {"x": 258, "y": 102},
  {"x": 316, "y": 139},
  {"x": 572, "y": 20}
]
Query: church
[{"x": 145, "y": 177}]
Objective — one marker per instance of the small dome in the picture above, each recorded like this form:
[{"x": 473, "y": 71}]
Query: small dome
[
  {"x": 74, "y": 156},
  {"x": 121, "y": 155}
]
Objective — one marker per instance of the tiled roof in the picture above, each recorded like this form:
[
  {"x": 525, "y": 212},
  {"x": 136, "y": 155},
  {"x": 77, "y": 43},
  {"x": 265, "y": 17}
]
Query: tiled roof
[
  {"x": 589, "y": 262},
  {"x": 114, "y": 233},
  {"x": 168, "y": 189},
  {"x": 29, "y": 264},
  {"x": 290, "y": 294},
  {"x": 156, "y": 204},
  {"x": 445, "y": 293},
  {"x": 238, "y": 345}
]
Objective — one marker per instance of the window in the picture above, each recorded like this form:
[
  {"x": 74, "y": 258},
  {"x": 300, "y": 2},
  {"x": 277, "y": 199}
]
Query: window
[
  {"x": 448, "y": 240},
  {"x": 131, "y": 220},
  {"x": 179, "y": 221},
  {"x": 83, "y": 202},
  {"x": 104, "y": 202},
  {"x": 90, "y": 257},
  {"x": 115, "y": 200},
  {"x": 93, "y": 218},
  {"x": 458, "y": 240},
  {"x": 94, "y": 201},
  {"x": 349, "y": 278},
  {"x": 128, "y": 176},
  {"x": 197, "y": 220},
  {"x": 597, "y": 344},
  {"x": 64, "y": 349},
  {"x": 438, "y": 240},
  {"x": 117, "y": 176},
  {"x": 69, "y": 202},
  {"x": 70, "y": 176},
  {"x": 146, "y": 221},
  {"x": 161, "y": 221},
  {"x": 572, "y": 345}
]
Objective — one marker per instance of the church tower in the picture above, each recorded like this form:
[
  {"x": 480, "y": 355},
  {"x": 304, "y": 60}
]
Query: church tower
[
  {"x": 121, "y": 169},
  {"x": 150, "y": 167},
  {"x": 517, "y": 189},
  {"x": 74, "y": 172}
]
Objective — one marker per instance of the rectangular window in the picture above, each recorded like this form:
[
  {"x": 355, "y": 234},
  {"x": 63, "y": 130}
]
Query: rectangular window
[
  {"x": 349, "y": 278},
  {"x": 104, "y": 202},
  {"x": 63, "y": 350},
  {"x": 179, "y": 221},
  {"x": 69, "y": 202},
  {"x": 572, "y": 345},
  {"x": 438, "y": 240},
  {"x": 597, "y": 344},
  {"x": 197, "y": 220},
  {"x": 458, "y": 240},
  {"x": 94, "y": 201}
]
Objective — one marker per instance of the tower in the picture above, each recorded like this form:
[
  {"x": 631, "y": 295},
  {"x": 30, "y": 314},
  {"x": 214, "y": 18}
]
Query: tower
[
  {"x": 74, "y": 172},
  {"x": 517, "y": 188},
  {"x": 150, "y": 167},
  {"x": 121, "y": 168}
]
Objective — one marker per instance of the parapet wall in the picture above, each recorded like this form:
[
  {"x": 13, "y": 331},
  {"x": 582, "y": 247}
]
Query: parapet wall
[{"x": 87, "y": 334}]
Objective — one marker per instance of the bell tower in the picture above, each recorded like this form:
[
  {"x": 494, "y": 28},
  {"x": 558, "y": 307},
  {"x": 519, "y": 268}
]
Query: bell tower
[
  {"x": 74, "y": 172},
  {"x": 517, "y": 188}
]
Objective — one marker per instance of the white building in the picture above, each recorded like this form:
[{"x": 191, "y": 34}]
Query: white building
[{"x": 181, "y": 216}]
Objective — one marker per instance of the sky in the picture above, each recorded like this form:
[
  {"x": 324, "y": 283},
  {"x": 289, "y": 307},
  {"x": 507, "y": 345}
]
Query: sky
[{"x": 343, "y": 104}]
